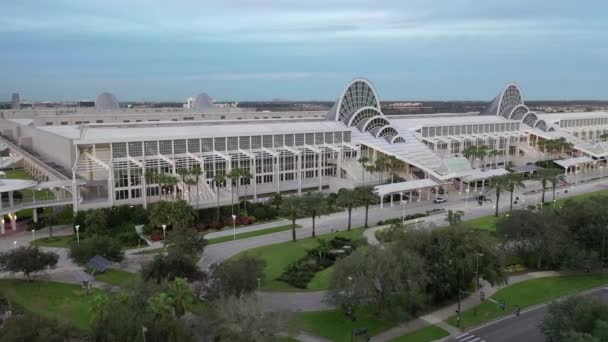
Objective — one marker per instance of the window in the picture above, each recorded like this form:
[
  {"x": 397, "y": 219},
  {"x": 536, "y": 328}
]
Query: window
[
  {"x": 179, "y": 146},
  {"x": 49, "y": 123},
  {"x": 64, "y": 123},
  {"x": 256, "y": 142},
  {"x": 119, "y": 150},
  {"x": 165, "y": 147},
  {"x": 278, "y": 140},
  {"x": 99, "y": 121},
  {"x": 151, "y": 148},
  {"x": 233, "y": 143},
  {"x": 244, "y": 143},
  {"x": 194, "y": 145},
  {"x": 267, "y": 141},
  {"x": 220, "y": 144},
  {"x": 135, "y": 149},
  {"x": 207, "y": 144}
]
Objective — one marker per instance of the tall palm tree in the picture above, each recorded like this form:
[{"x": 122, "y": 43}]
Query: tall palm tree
[
  {"x": 161, "y": 306},
  {"x": 366, "y": 196},
  {"x": 347, "y": 200},
  {"x": 315, "y": 204},
  {"x": 380, "y": 166},
  {"x": 183, "y": 174},
  {"x": 197, "y": 172},
  {"x": 547, "y": 176},
  {"x": 292, "y": 206},
  {"x": 604, "y": 136},
  {"x": 363, "y": 162},
  {"x": 482, "y": 152},
  {"x": 470, "y": 153},
  {"x": 218, "y": 179},
  {"x": 234, "y": 175},
  {"x": 247, "y": 177},
  {"x": 499, "y": 183},
  {"x": 514, "y": 181},
  {"x": 371, "y": 169},
  {"x": 276, "y": 200},
  {"x": 494, "y": 154}
]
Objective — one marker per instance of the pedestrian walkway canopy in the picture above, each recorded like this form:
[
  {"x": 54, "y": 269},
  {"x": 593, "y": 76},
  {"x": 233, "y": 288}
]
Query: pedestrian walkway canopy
[
  {"x": 571, "y": 162},
  {"x": 477, "y": 174},
  {"x": 396, "y": 188},
  {"x": 7, "y": 185},
  {"x": 525, "y": 168}
]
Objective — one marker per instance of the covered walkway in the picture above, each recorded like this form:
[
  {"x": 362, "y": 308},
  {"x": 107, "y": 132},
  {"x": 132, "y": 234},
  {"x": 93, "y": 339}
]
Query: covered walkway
[{"x": 410, "y": 188}]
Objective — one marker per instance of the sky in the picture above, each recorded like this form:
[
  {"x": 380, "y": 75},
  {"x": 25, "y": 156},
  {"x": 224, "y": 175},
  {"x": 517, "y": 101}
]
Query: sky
[{"x": 161, "y": 50}]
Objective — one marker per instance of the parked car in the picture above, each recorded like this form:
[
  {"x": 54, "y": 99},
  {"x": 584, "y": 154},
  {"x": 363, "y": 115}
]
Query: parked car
[{"x": 440, "y": 200}]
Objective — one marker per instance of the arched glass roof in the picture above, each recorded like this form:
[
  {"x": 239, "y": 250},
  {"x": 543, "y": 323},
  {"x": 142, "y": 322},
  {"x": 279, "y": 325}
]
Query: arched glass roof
[
  {"x": 371, "y": 123},
  {"x": 398, "y": 139},
  {"x": 384, "y": 131},
  {"x": 359, "y": 93},
  {"x": 106, "y": 101},
  {"x": 511, "y": 97},
  {"x": 518, "y": 112},
  {"x": 530, "y": 119},
  {"x": 364, "y": 113}
]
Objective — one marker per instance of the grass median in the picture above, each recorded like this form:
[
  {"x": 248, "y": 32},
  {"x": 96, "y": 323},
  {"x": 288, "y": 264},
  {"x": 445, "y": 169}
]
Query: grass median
[
  {"x": 528, "y": 293},
  {"x": 279, "y": 255},
  {"x": 56, "y": 241},
  {"x": 56, "y": 301},
  {"x": 335, "y": 326},
  {"x": 117, "y": 277},
  {"x": 426, "y": 334}
]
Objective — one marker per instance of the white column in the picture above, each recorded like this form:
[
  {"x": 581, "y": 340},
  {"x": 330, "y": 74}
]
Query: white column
[
  {"x": 276, "y": 173},
  {"x": 14, "y": 221},
  {"x": 299, "y": 159},
  {"x": 10, "y": 199},
  {"x": 320, "y": 170},
  {"x": 255, "y": 180},
  {"x": 34, "y": 215},
  {"x": 2, "y": 228}
]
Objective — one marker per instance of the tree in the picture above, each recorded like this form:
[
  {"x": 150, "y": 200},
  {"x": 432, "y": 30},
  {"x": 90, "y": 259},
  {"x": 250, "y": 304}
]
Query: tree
[
  {"x": 363, "y": 162},
  {"x": 168, "y": 180},
  {"x": 181, "y": 294},
  {"x": 235, "y": 178},
  {"x": 548, "y": 176},
  {"x": 604, "y": 136},
  {"x": 347, "y": 200},
  {"x": 187, "y": 241},
  {"x": 171, "y": 266},
  {"x": 292, "y": 207},
  {"x": 366, "y": 196},
  {"x": 247, "y": 177},
  {"x": 577, "y": 318},
  {"x": 499, "y": 184},
  {"x": 96, "y": 222},
  {"x": 50, "y": 220},
  {"x": 105, "y": 246},
  {"x": 218, "y": 179},
  {"x": 27, "y": 260},
  {"x": 380, "y": 167},
  {"x": 183, "y": 174},
  {"x": 513, "y": 181},
  {"x": 177, "y": 214},
  {"x": 276, "y": 201},
  {"x": 243, "y": 319},
  {"x": 236, "y": 276},
  {"x": 494, "y": 153},
  {"x": 197, "y": 172},
  {"x": 314, "y": 204},
  {"x": 389, "y": 279},
  {"x": 454, "y": 217}
]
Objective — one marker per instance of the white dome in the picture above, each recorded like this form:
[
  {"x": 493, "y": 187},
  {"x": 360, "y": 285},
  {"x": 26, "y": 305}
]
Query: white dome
[
  {"x": 106, "y": 101},
  {"x": 203, "y": 101}
]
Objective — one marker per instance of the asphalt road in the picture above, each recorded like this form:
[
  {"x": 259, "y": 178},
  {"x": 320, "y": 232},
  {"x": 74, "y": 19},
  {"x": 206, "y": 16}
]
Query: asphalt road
[{"x": 525, "y": 328}]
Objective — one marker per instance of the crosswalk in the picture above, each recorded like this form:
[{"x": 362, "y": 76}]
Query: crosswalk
[{"x": 468, "y": 337}]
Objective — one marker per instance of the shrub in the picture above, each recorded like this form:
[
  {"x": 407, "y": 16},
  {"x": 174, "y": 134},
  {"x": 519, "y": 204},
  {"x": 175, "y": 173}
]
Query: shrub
[
  {"x": 34, "y": 329},
  {"x": 236, "y": 276},
  {"x": 156, "y": 236},
  {"x": 107, "y": 247},
  {"x": 171, "y": 266},
  {"x": 128, "y": 237},
  {"x": 27, "y": 260},
  {"x": 215, "y": 225}
]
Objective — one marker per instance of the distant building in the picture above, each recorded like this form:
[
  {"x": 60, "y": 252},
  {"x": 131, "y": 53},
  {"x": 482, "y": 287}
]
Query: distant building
[
  {"x": 106, "y": 101},
  {"x": 16, "y": 101}
]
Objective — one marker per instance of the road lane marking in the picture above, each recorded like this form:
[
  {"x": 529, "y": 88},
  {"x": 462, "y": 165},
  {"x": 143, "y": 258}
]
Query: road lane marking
[
  {"x": 475, "y": 340},
  {"x": 463, "y": 335},
  {"x": 467, "y": 338}
]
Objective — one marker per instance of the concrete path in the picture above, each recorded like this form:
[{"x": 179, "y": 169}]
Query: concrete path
[
  {"x": 438, "y": 317},
  {"x": 228, "y": 231},
  {"x": 295, "y": 301}
]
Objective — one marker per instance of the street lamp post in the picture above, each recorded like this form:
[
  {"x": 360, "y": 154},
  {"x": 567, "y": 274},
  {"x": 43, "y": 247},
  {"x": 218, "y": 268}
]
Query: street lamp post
[
  {"x": 477, "y": 255},
  {"x": 164, "y": 237},
  {"x": 77, "y": 234},
  {"x": 403, "y": 210},
  {"x": 14, "y": 244},
  {"x": 258, "y": 286},
  {"x": 33, "y": 235},
  {"x": 233, "y": 227},
  {"x": 466, "y": 198},
  {"x": 416, "y": 223}
]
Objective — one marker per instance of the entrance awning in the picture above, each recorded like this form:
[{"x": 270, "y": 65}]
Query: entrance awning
[
  {"x": 566, "y": 163},
  {"x": 395, "y": 188},
  {"x": 479, "y": 174}
]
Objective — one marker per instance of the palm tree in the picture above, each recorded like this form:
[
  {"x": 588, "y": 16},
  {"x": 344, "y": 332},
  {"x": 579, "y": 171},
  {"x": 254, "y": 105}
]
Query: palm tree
[
  {"x": 494, "y": 154},
  {"x": 514, "y": 181},
  {"x": 380, "y": 166},
  {"x": 247, "y": 176},
  {"x": 347, "y": 199},
  {"x": 547, "y": 176},
  {"x": 499, "y": 183},
  {"x": 235, "y": 176},
  {"x": 196, "y": 172},
  {"x": 470, "y": 153},
  {"x": 181, "y": 295},
  {"x": 371, "y": 169},
  {"x": 161, "y": 306},
  {"x": 604, "y": 136},
  {"x": 363, "y": 162},
  {"x": 482, "y": 152},
  {"x": 276, "y": 200},
  {"x": 366, "y": 196},
  {"x": 165, "y": 179},
  {"x": 218, "y": 179},
  {"x": 315, "y": 204},
  {"x": 183, "y": 174},
  {"x": 292, "y": 206}
]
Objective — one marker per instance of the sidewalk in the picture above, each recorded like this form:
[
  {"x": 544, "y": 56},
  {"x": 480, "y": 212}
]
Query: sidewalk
[
  {"x": 228, "y": 231},
  {"x": 439, "y": 316}
]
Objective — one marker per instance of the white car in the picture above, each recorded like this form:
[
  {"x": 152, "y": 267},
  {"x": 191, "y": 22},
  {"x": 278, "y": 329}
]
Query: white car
[{"x": 440, "y": 200}]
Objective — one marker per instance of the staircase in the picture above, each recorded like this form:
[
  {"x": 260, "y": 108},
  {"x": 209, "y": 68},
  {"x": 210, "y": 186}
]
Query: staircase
[{"x": 356, "y": 172}]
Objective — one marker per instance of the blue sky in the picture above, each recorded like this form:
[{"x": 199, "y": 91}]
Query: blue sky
[{"x": 304, "y": 49}]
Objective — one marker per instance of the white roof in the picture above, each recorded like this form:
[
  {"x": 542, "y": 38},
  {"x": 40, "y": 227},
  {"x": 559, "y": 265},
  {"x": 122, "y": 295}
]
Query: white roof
[
  {"x": 555, "y": 117},
  {"x": 477, "y": 174},
  {"x": 419, "y": 122},
  {"x": 386, "y": 189},
  {"x": 7, "y": 185},
  {"x": 565, "y": 163},
  {"x": 181, "y": 130}
]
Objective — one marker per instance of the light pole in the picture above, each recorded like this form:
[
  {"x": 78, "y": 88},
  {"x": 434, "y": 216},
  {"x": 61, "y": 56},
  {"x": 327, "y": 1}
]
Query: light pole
[
  {"x": 403, "y": 210},
  {"x": 258, "y": 286},
  {"x": 477, "y": 255},
  {"x": 15, "y": 244},
  {"x": 77, "y": 234},
  {"x": 144, "y": 330},
  {"x": 33, "y": 235},
  {"x": 164, "y": 237},
  {"x": 466, "y": 198},
  {"x": 233, "y": 227},
  {"x": 416, "y": 223}
]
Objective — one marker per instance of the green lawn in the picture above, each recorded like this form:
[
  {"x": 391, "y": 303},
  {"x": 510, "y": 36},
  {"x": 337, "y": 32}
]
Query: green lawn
[
  {"x": 56, "y": 241},
  {"x": 528, "y": 293},
  {"x": 56, "y": 301},
  {"x": 483, "y": 223},
  {"x": 333, "y": 325},
  {"x": 117, "y": 277},
  {"x": 426, "y": 334},
  {"x": 578, "y": 198},
  {"x": 279, "y": 255},
  {"x": 251, "y": 234}
]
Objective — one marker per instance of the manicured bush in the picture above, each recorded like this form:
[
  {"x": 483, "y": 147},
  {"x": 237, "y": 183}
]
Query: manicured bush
[
  {"x": 128, "y": 237},
  {"x": 108, "y": 247},
  {"x": 171, "y": 266}
]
